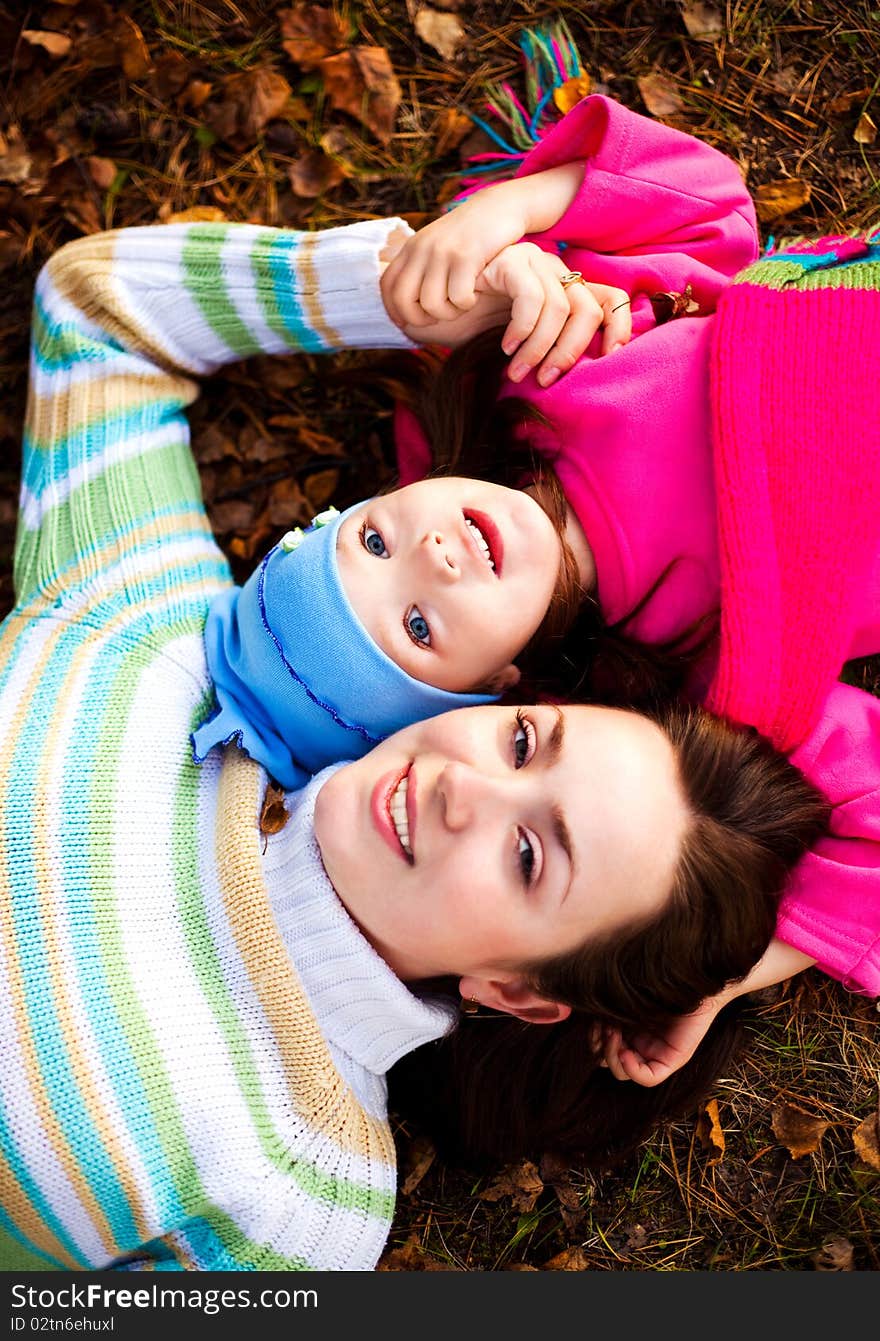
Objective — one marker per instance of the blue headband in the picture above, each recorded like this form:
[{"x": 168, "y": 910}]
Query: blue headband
[{"x": 299, "y": 682}]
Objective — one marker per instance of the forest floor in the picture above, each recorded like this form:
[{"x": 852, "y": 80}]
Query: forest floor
[{"x": 134, "y": 113}]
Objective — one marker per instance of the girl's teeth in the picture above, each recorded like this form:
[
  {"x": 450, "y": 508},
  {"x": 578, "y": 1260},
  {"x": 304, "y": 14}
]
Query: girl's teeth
[
  {"x": 487, "y": 553},
  {"x": 397, "y": 810}
]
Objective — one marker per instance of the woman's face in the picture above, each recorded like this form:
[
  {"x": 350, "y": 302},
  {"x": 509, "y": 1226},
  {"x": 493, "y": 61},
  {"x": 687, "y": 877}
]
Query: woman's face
[
  {"x": 487, "y": 838},
  {"x": 451, "y": 577}
]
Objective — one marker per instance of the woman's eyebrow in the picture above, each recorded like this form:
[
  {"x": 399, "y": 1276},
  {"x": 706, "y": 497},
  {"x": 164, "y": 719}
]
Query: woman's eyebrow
[
  {"x": 554, "y": 742},
  {"x": 562, "y": 835}
]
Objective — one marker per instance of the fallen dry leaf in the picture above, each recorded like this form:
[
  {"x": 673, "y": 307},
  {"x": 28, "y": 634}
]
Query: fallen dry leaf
[
  {"x": 274, "y": 814},
  {"x": 659, "y": 94},
  {"x": 418, "y": 1157},
  {"x": 102, "y": 171},
  {"x": 57, "y": 44},
  {"x": 773, "y": 200},
  {"x": 836, "y": 1254},
  {"x": 198, "y": 214},
  {"x": 865, "y": 131},
  {"x": 309, "y": 33},
  {"x": 362, "y": 83},
  {"x": 411, "y": 1257},
  {"x": 569, "y": 94},
  {"x": 798, "y": 1131},
  {"x": 711, "y": 1133},
  {"x": 249, "y": 99},
  {"x": 866, "y": 1140},
  {"x": 450, "y": 129},
  {"x": 570, "y": 1259},
  {"x": 314, "y": 173},
  {"x": 15, "y": 158},
  {"x": 133, "y": 52},
  {"x": 521, "y": 1182},
  {"x": 844, "y": 101},
  {"x": 443, "y": 32},
  {"x": 702, "y": 21}
]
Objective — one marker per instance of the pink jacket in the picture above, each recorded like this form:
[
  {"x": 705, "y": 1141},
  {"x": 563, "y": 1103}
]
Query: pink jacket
[{"x": 660, "y": 210}]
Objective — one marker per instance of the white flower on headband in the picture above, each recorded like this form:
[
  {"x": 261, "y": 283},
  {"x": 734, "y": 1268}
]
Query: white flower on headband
[{"x": 291, "y": 540}]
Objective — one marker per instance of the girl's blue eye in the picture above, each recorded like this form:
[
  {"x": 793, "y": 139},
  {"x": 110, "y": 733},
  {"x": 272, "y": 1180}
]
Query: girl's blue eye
[
  {"x": 526, "y": 857},
  {"x": 373, "y": 542},
  {"x": 417, "y": 626},
  {"x": 523, "y": 740}
]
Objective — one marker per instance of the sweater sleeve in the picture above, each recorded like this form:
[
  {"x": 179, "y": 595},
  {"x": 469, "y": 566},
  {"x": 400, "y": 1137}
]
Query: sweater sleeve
[
  {"x": 123, "y": 324},
  {"x": 831, "y": 908},
  {"x": 658, "y": 208}
]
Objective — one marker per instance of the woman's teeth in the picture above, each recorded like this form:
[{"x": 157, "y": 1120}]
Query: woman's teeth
[
  {"x": 481, "y": 541},
  {"x": 397, "y": 811}
]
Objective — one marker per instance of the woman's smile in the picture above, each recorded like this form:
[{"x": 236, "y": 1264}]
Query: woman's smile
[{"x": 393, "y": 807}]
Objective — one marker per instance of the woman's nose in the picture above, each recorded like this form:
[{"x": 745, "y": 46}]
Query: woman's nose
[
  {"x": 436, "y": 552},
  {"x": 465, "y": 793}
]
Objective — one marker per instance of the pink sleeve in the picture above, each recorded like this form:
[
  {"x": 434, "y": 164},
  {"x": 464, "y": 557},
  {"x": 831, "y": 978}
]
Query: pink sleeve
[
  {"x": 831, "y": 909},
  {"x": 661, "y": 208}
]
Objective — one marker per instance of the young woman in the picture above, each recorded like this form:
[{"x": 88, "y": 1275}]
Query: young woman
[{"x": 197, "y": 1016}]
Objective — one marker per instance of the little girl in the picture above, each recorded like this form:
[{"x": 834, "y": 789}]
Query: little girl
[{"x": 717, "y": 460}]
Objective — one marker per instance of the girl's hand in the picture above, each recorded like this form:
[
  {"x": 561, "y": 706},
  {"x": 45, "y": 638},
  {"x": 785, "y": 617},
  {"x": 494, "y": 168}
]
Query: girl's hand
[
  {"x": 433, "y": 277},
  {"x": 548, "y": 326},
  {"x": 649, "y": 1059}
]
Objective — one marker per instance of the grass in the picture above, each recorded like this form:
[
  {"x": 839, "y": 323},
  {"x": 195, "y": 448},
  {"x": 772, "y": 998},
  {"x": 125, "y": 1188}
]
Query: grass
[{"x": 781, "y": 91}]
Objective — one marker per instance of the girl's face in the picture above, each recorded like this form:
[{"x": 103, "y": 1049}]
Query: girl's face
[
  {"x": 451, "y": 577},
  {"x": 487, "y": 838}
]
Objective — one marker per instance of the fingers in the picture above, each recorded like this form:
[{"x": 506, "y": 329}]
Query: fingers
[{"x": 617, "y": 314}]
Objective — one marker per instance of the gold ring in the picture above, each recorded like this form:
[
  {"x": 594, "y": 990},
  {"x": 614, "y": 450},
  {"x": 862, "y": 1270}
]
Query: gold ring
[{"x": 571, "y": 277}]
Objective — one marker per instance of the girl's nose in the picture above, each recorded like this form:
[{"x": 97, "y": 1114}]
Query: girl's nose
[{"x": 436, "y": 553}]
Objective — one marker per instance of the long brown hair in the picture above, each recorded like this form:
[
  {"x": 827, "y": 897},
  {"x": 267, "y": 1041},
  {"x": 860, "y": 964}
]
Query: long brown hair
[{"x": 497, "y": 1088}]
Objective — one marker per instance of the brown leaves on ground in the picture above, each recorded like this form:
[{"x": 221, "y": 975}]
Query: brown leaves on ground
[
  {"x": 411, "y": 1257},
  {"x": 703, "y": 22},
  {"x": 800, "y": 1132},
  {"x": 520, "y": 1182},
  {"x": 660, "y": 94},
  {"x": 417, "y": 1159},
  {"x": 358, "y": 80},
  {"x": 866, "y": 1140},
  {"x": 244, "y": 104},
  {"x": 444, "y": 32},
  {"x": 711, "y": 1133},
  {"x": 836, "y": 1254},
  {"x": 362, "y": 83},
  {"x": 774, "y": 200}
]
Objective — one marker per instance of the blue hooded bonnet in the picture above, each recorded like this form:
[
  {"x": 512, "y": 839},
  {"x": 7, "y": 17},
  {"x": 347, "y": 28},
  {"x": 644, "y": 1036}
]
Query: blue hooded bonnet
[{"x": 299, "y": 682}]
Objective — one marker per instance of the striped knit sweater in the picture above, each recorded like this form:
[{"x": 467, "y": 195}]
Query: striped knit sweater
[{"x": 193, "y": 1034}]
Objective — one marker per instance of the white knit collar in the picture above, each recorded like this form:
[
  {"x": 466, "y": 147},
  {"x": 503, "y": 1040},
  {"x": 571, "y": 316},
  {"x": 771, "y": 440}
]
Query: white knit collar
[{"x": 363, "y": 1008}]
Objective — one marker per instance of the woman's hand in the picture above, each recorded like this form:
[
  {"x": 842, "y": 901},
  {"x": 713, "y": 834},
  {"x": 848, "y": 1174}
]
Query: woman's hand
[{"x": 547, "y": 325}]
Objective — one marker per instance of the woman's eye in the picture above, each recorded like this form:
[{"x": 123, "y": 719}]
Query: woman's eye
[
  {"x": 417, "y": 626},
  {"x": 526, "y": 856},
  {"x": 523, "y": 740},
  {"x": 372, "y": 541}
]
